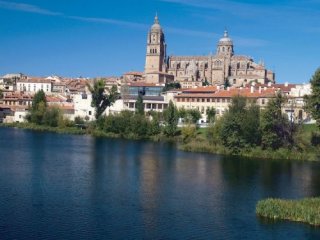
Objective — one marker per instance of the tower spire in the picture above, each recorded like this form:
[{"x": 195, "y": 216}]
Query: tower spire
[{"x": 156, "y": 19}]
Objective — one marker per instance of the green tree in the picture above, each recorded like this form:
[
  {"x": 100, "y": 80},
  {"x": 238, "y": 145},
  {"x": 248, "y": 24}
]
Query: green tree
[
  {"x": 38, "y": 108},
  {"x": 211, "y": 114},
  {"x": 238, "y": 125},
  {"x": 313, "y": 100},
  {"x": 140, "y": 105},
  {"x": 170, "y": 86},
  {"x": 188, "y": 132},
  {"x": 171, "y": 119},
  {"x": 276, "y": 129},
  {"x": 155, "y": 127},
  {"x": 52, "y": 117},
  {"x": 195, "y": 115},
  {"x": 1, "y": 94},
  {"x": 102, "y": 98}
]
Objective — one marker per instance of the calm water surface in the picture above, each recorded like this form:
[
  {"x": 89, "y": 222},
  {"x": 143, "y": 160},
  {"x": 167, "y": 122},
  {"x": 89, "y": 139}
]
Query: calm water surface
[{"x": 78, "y": 187}]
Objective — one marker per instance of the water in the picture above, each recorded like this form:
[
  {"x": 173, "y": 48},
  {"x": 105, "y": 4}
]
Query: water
[{"x": 78, "y": 187}]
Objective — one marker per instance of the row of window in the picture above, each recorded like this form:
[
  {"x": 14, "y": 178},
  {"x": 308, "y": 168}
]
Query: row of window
[
  {"x": 223, "y": 100},
  {"x": 158, "y": 106},
  {"x": 152, "y": 50}
]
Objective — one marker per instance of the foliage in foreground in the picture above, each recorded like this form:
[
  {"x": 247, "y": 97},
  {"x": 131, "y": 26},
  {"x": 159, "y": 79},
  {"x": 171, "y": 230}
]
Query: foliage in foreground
[
  {"x": 102, "y": 98},
  {"x": 313, "y": 100},
  {"x": 306, "y": 210}
]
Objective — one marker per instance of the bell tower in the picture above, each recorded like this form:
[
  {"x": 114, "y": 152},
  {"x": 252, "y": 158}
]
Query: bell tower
[
  {"x": 225, "y": 46},
  {"x": 156, "y": 49}
]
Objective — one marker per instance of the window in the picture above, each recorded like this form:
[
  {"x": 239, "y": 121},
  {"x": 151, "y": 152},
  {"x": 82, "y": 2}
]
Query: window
[{"x": 90, "y": 113}]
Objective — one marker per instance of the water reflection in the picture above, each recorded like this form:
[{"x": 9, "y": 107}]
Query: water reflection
[{"x": 79, "y": 187}]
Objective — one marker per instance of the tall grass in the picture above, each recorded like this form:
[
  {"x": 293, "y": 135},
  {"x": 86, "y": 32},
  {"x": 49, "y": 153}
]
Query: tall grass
[{"x": 306, "y": 210}]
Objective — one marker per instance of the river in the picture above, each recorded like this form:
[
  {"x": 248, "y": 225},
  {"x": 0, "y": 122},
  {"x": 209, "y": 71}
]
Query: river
[{"x": 78, "y": 187}]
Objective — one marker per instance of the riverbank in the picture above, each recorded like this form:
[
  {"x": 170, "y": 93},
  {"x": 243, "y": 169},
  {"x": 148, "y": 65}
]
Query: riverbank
[
  {"x": 198, "y": 143},
  {"x": 89, "y": 130},
  {"x": 306, "y": 210},
  {"x": 304, "y": 151}
]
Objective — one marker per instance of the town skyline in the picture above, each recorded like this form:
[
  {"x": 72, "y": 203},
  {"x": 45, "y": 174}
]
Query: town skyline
[{"x": 59, "y": 38}]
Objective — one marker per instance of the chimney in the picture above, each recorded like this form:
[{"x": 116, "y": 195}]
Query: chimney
[
  {"x": 252, "y": 89},
  {"x": 218, "y": 88},
  {"x": 228, "y": 88},
  {"x": 265, "y": 88},
  {"x": 286, "y": 84},
  {"x": 269, "y": 84},
  {"x": 259, "y": 89}
]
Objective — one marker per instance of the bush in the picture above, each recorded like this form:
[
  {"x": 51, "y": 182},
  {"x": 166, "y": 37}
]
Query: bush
[{"x": 315, "y": 138}]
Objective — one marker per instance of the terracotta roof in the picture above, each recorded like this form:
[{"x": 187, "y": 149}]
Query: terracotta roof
[
  {"x": 144, "y": 84},
  {"x": 134, "y": 73},
  {"x": 34, "y": 80},
  {"x": 231, "y": 93}
]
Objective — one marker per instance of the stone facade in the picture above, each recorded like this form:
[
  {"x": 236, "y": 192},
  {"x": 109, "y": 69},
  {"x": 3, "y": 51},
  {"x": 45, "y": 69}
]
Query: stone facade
[{"x": 216, "y": 69}]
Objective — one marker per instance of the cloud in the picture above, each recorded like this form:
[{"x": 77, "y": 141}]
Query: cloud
[
  {"x": 110, "y": 21},
  {"x": 22, "y": 7}
]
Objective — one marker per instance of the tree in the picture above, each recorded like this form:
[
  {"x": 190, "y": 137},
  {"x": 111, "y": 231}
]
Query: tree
[
  {"x": 170, "y": 86},
  {"x": 240, "y": 125},
  {"x": 205, "y": 83},
  {"x": 101, "y": 98},
  {"x": 39, "y": 97},
  {"x": 1, "y": 94},
  {"x": 52, "y": 117},
  {"x": 171, "y": 119},
  {"x": 276, "y": 129},
  {"x": 140, "y": 105},
  {"x": 38, "y": 108},
  {"x": 313, "y": 100},
  {"x": 211, "y": 114}
]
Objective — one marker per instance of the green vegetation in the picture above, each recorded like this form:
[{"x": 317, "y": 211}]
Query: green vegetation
[
  {"x": 1, "y": 94},
  {"x": 171, "y": 120},
  {"x": 189, "y": 115},
  {"x": 245, "y": 130},
  {"x": 313, "y": 100},
  {"x": 305, "y": 210},
  {"x": 238, "y": 127},
  {"x": 276, "y": 129},
  {"x": 170, "y": 86},
  {"x": 139, "y": 105},
  {"x": 102, "y": 98}
]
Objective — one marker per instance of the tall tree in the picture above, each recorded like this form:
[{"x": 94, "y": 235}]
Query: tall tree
[
  {"x": 38, "y": 108},
  {"x": 276, "y": 129},
  {"x": 171, "y": 119},
  {"x": 211, "y": 114},
  {"x": 140, "y": 105},
  {"x": 313, "y": 100},
  {"x": 240, "y": 125},
  {"x": 102, "y": 98}
]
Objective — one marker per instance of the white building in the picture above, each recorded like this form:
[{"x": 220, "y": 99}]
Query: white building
[
  {"x": 82, "y": 106},
  {"x": 34, "y": 85}
]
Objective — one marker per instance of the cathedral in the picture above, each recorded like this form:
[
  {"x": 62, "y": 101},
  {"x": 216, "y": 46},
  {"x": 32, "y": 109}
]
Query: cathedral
[{"x": 224, "y": 66}]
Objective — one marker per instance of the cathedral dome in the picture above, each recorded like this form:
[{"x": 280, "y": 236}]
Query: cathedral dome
[
  {"x": 156, "y": 26},
  {"x": 225, "y": 40}
]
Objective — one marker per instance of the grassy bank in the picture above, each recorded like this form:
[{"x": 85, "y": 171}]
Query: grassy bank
[
  {"x": 306, "y": 210},
  {"x": 303, "y": 151},
  {"x": 91, "y": 130},
  {"x": 43, "y": 128}
]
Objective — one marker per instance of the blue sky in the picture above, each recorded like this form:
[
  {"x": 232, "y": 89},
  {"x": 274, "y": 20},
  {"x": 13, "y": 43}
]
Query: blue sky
[{"x": 105, "y": 38}]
